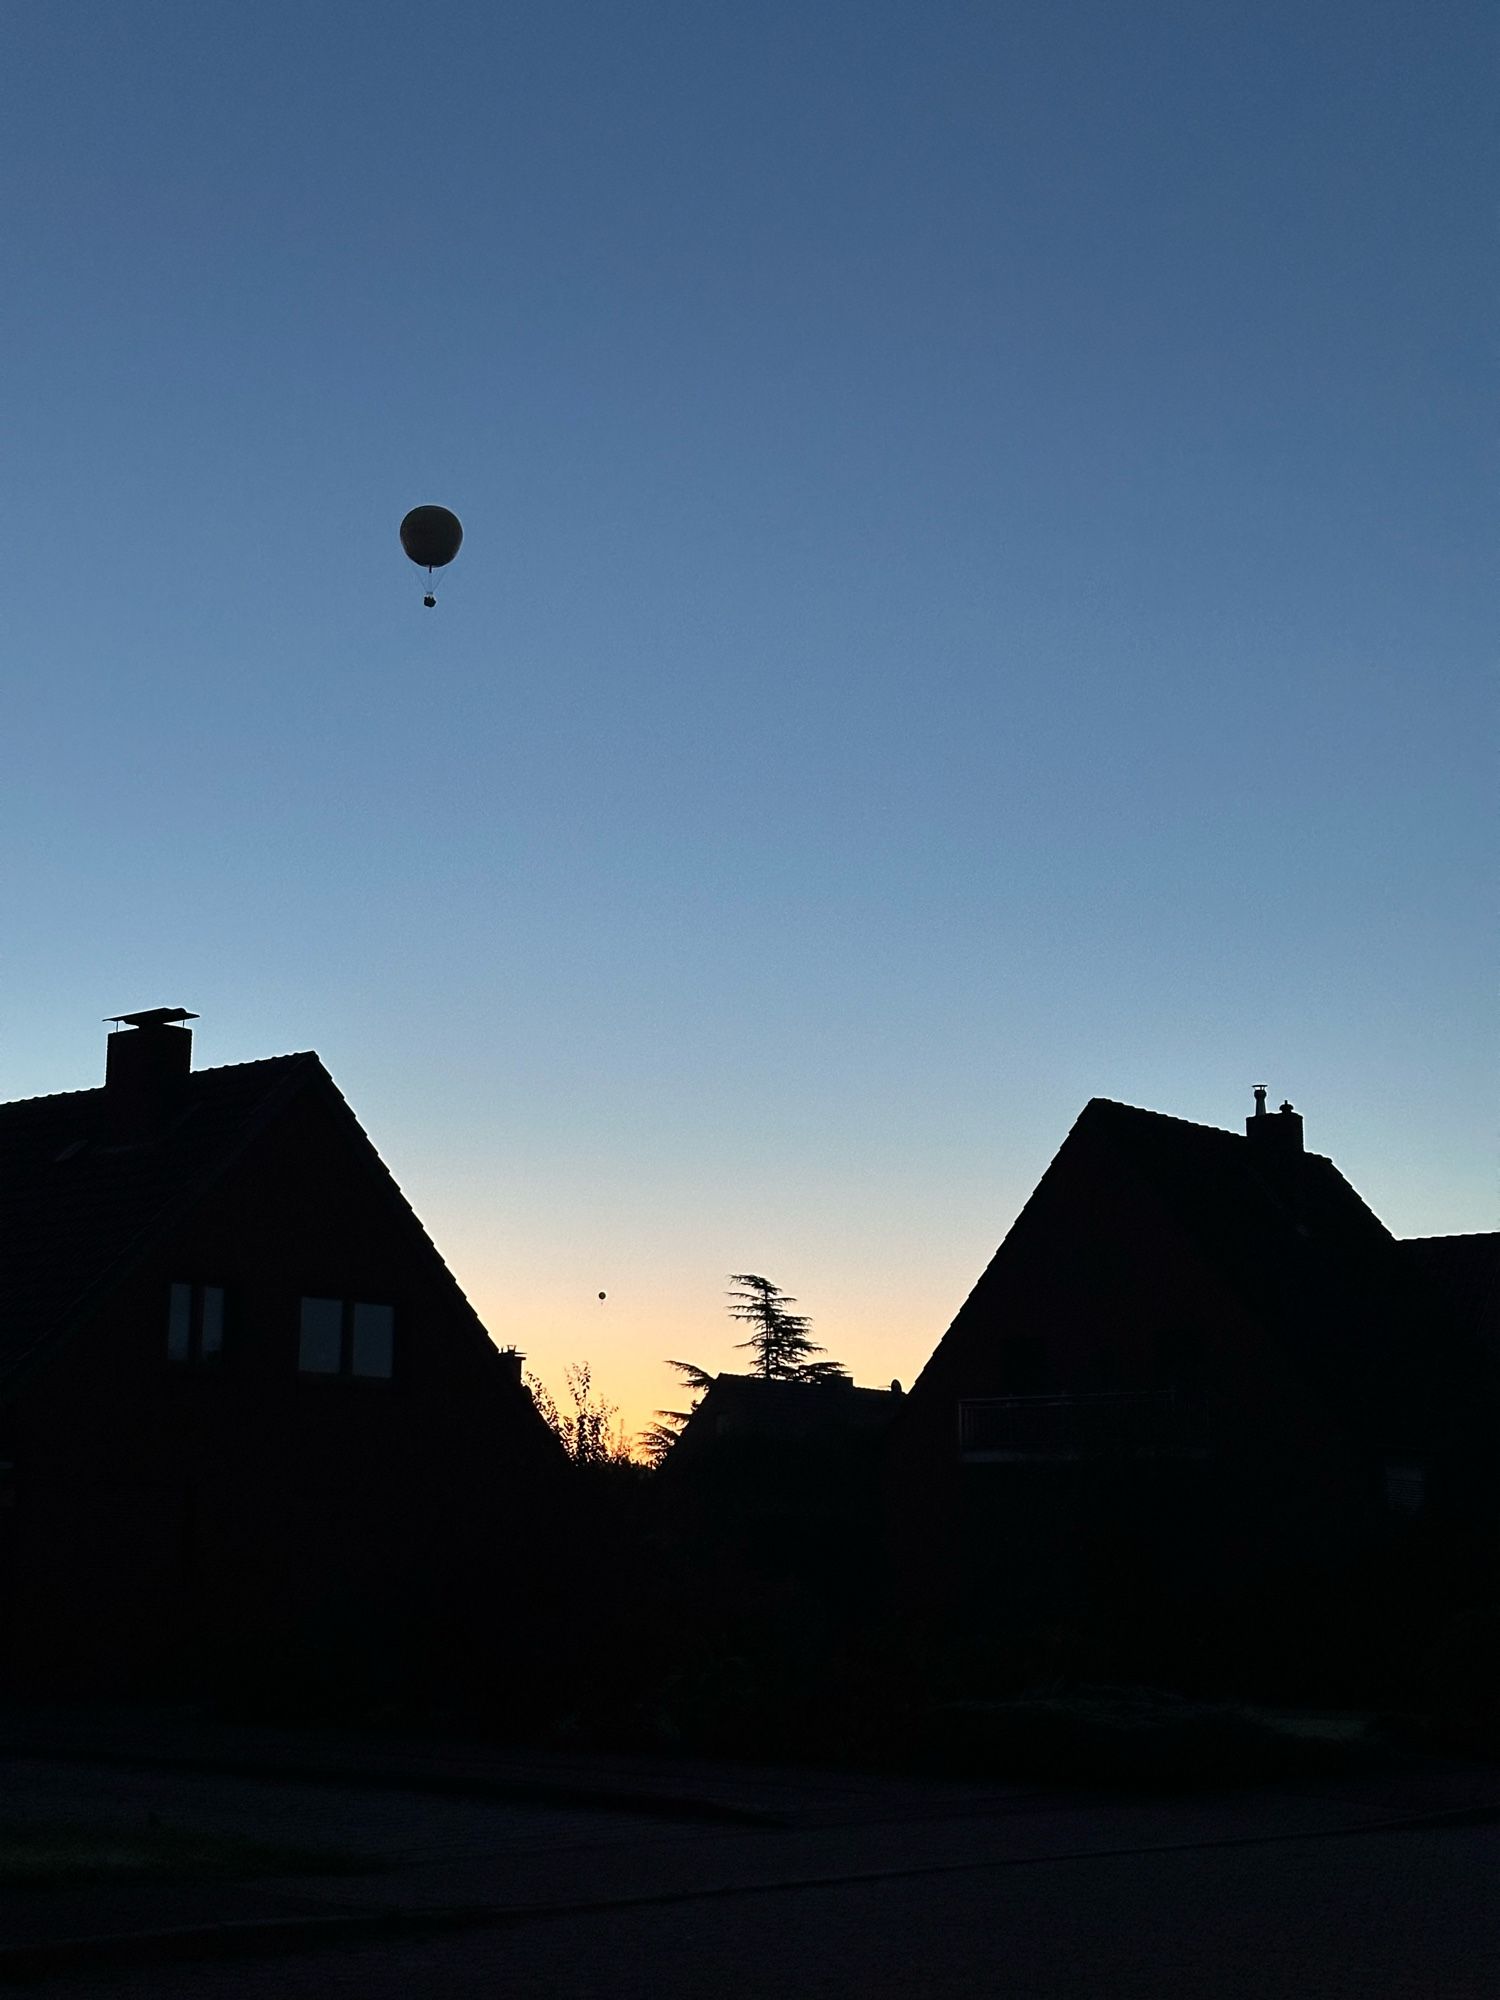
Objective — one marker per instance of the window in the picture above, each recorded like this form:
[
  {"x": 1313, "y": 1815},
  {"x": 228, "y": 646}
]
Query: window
[
  {"x": 349, "y": 1337},
  {"x": 1131, "y": 1423},
  {"x": 372, "y": 1340},
  {"x": 322, "y": 1349},
  {"x": 195, "y": 1324},
  {"x": 1405, "y": 1488}
]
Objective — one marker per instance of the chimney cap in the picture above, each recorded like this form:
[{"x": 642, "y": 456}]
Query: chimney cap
[{"x": 151, "y": 1017}]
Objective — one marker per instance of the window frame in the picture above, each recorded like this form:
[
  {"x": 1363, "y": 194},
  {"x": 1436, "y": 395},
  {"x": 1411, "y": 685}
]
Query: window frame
[
  {"x": 206, "y": 1306},
  {"x": 349, "y": 1309}
]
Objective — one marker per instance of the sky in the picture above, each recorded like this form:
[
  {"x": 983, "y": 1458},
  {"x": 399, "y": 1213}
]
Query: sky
[{"x": 976, "y": 595}]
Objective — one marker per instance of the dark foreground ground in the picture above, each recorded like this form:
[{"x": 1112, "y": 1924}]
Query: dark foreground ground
[{"x": 258, "y": 1862}]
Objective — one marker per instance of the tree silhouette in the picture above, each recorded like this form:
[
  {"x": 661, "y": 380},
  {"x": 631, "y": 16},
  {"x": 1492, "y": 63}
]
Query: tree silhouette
[
  {"x": 780, "y": 1341},
  {"x": 779, "y": 1338},
  {"x": 589, "y": 1433},
  {"x": 659, "y": 1437},
  {"x": 824, "y": 1371}
]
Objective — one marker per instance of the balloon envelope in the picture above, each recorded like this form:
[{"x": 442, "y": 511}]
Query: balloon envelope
[{"x": 431, "y": 535}]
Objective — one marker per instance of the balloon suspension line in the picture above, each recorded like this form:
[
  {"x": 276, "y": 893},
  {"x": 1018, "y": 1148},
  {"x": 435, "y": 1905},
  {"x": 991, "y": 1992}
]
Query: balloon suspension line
[{"x": 429, "y": 600}]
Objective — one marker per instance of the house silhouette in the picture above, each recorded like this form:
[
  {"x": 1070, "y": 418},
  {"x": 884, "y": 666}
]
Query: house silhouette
[
  {"x": 248, "y": 1419},
  {"x": 757, "y": 1413},
  {"x": 1199, "y": 1376}
]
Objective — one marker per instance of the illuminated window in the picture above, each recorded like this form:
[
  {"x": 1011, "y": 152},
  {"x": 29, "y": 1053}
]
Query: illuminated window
[
  {"x": 195, "y": 1324},
  {"x": 347, "y": 1337}
]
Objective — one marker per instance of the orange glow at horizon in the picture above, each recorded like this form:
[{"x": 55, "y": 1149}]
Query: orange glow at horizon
[{"x": 628, "y": 1338}]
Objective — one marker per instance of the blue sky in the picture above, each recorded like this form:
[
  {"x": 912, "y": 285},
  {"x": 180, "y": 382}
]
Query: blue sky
[{"x": 976, "y": 595}]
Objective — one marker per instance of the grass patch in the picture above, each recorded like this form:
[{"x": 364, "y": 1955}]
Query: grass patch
[
  {"x": 64, "y": 1854},
  {"x": 1140, "y": 1737}
]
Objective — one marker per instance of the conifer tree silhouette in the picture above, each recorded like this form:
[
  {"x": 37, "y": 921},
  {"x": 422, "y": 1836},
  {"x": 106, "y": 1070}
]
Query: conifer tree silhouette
[{"x": 779, "y": 1338}]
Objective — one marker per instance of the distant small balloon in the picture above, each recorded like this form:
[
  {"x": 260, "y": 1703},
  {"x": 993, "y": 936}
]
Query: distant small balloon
[{"x": 601, "y": 1295}]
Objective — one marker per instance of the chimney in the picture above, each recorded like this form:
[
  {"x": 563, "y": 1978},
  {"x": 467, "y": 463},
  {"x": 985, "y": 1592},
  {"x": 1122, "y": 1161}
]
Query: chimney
[
  {"x": 1278, "y": 1134},
  {"x": 146, "y": 1061},
  {"x": 511, "y": 1359}
]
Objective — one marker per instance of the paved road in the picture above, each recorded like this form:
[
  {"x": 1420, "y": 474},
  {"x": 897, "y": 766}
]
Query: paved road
[
  {"x": 391, "y": 1827},
  {"x": 1385, "y": 1916},
  {"x": 794, "y": 1883}
]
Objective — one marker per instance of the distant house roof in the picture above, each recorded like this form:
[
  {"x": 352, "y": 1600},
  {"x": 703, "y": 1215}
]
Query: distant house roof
[
  {"x": 751, "y": 1409},
  {"x": 82, "y": 1198}
]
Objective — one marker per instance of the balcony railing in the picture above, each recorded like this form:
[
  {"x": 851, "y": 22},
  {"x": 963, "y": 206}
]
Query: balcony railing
[{"x": 1146, "y": 1423}]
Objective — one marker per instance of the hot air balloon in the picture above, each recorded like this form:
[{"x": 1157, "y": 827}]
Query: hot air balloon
[{"x": 431, "y": 537}]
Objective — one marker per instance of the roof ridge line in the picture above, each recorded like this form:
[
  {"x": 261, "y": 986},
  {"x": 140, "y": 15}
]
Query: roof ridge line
[
  {"x": 213, "y": 1069},
  {"x": 1189, "y": 1124}
]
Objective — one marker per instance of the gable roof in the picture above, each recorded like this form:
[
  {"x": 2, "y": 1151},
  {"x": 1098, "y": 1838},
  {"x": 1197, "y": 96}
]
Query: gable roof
[
  {"x": 1283, "y": 1230},
  {"x": 1287, "y": 1231},
  {"x": 80, "y": 1198}
]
